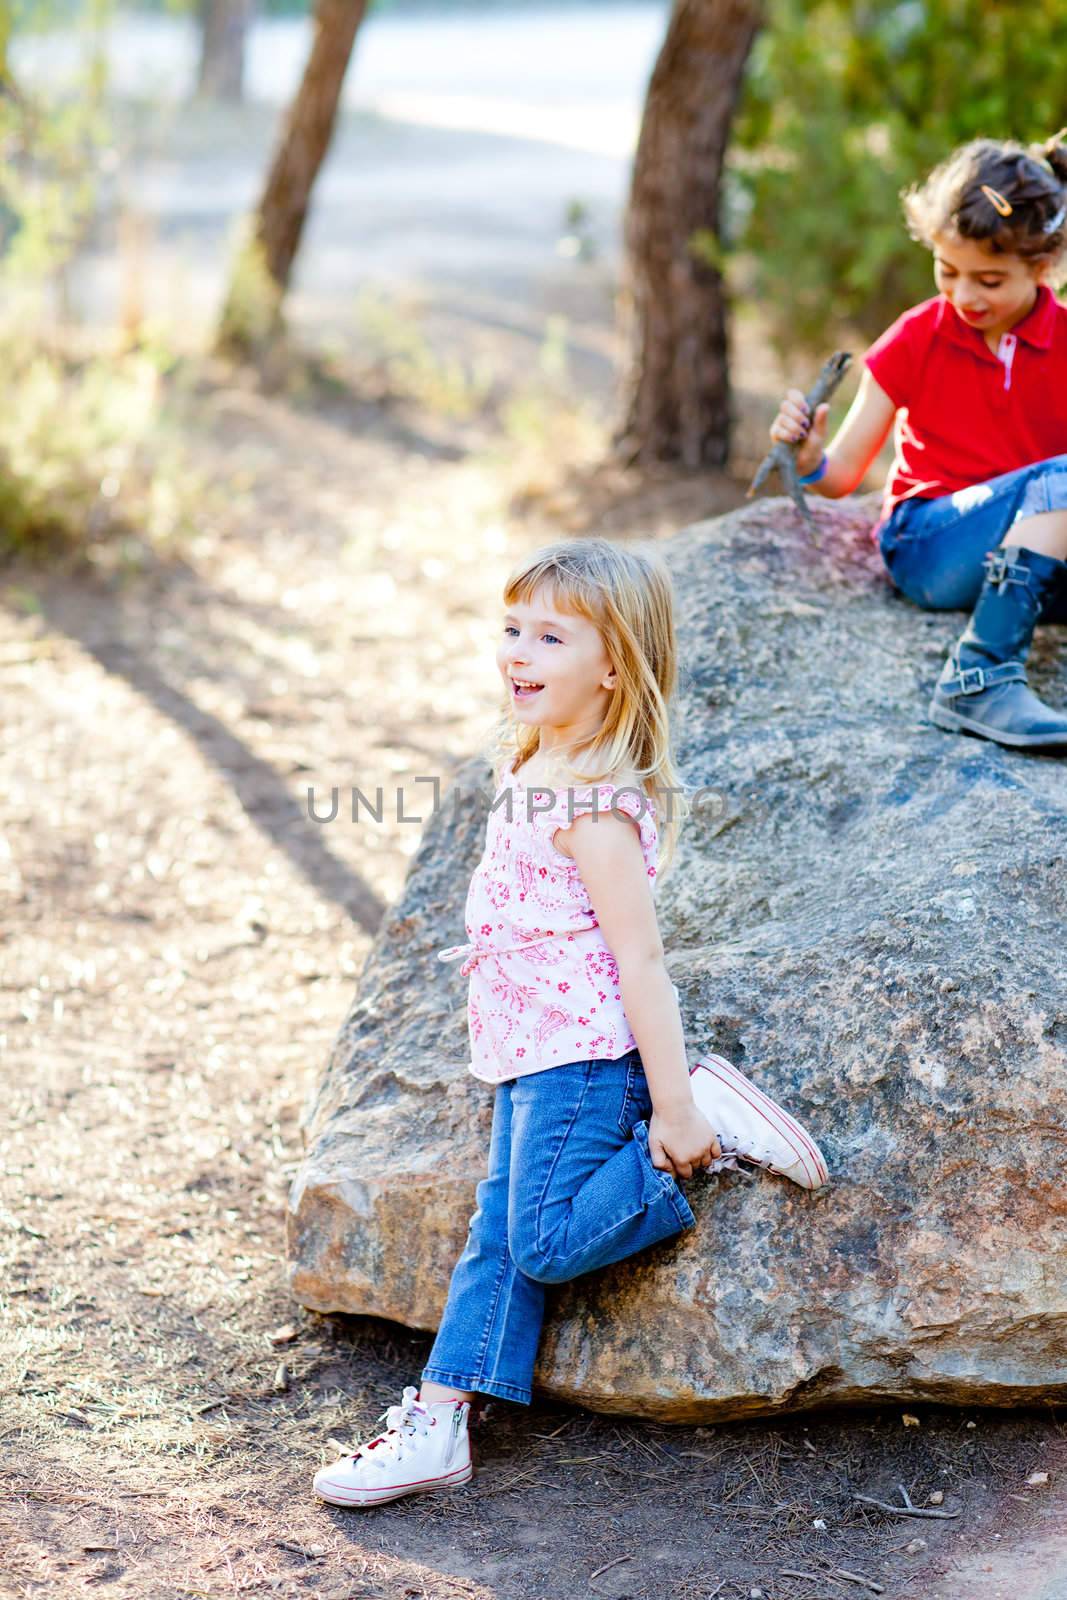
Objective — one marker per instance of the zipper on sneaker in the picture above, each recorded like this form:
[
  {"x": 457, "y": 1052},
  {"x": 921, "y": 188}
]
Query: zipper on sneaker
[{"x": 453, "y": 1435}]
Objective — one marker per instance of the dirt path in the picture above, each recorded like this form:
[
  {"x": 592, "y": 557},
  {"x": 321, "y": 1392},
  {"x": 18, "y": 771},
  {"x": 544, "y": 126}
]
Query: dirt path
[
  {"x": 180, "y": 943},
  {"x": 1031, "y": 1569}
]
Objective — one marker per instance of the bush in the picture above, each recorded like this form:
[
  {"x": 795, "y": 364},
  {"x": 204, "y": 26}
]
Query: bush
[
  {"x": 81, "y": 449},
  {"x": 845, "y": 104}
]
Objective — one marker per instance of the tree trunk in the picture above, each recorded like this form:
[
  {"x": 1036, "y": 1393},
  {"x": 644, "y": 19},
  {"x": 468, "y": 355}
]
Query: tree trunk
[
  {"x": 676, "y": 387},
  {"x": 224, "y": 34},
  {"x": 252, "y": 313},
  {"x": 306, "y": 136}
]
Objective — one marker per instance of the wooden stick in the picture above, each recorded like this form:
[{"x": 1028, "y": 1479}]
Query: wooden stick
[
  {"x": 608, "y": 1565},
  {"x": 906, "y": 1511},
  {"x": 858, "y": 1577}
]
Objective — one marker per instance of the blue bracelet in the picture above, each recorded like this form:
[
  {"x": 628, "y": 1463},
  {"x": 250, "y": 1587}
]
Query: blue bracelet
[{"x": 820, "y": 471}]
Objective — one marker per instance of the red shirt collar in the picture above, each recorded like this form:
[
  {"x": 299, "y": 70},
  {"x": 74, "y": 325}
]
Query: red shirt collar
[{"x": 1035, "y": 328}]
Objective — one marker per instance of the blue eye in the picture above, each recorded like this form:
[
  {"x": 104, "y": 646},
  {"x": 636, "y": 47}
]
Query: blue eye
[{"x": 508, "y": 628}]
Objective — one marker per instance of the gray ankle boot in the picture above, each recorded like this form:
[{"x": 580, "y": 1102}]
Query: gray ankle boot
[{"x": 983, "y": 689}]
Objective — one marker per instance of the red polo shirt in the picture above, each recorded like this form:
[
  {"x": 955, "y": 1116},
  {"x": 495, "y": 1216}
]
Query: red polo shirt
[{"x": 964, "y": 413}]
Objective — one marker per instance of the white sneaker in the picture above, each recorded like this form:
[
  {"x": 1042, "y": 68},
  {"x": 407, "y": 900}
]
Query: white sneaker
[
  {"x": 423, "y": 1447},
  {"x": 750, "y": 1127}
]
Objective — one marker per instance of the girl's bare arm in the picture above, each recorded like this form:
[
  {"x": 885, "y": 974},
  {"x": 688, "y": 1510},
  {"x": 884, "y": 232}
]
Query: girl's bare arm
[
  {"x": 608, "y": 855},
  {"x": 855, "y": 444}
]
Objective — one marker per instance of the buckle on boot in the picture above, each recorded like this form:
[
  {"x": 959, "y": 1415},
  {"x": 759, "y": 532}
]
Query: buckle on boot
[
  {"x": 969, "y": 680},
  {"x": 972, "y": 680},
  {"x": 999, "y": 570}
]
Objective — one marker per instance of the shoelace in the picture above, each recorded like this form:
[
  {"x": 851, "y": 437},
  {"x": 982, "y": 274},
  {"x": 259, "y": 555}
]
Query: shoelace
[
  {"x": 732, "y": 1154},
  {"x": 402, "y": 1422},
  {"x": 727, "y": 1162}
]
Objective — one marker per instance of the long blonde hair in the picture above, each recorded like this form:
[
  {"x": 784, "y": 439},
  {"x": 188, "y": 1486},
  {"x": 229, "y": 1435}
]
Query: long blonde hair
[{"x": 626, "y": 593}]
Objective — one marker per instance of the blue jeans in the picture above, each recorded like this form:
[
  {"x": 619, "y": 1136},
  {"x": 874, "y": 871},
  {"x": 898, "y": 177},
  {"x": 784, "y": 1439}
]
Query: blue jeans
[
  {"x": 571, "y": 1187},
  {"x": 934, "y": 549}
]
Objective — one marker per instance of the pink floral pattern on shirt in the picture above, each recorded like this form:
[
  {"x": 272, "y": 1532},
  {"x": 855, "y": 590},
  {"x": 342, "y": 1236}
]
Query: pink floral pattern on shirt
[{"x": 544, "y": 987}]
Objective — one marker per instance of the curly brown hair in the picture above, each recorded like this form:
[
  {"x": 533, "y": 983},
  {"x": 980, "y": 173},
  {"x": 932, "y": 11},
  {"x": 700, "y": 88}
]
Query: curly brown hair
[{"x": 1031, "y": 182}]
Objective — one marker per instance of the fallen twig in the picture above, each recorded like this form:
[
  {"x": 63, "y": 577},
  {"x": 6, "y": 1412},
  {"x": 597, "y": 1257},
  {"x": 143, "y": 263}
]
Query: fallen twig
[
  {"x": 809, "y": 1577},
  {"x": 555, "y": 1431},
  {"x": 608, "y": 1565},
  {"x": 857, "y": 1577},
  {"x": 906, "y": 1511},
  {"x": 300, "y": 1550}
]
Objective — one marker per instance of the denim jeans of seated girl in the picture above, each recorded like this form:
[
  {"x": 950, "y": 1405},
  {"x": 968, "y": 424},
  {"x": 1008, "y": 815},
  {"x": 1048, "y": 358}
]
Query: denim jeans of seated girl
[
  {"x": 571, "y": 1187},
  {"x": 934, "y": 549}
]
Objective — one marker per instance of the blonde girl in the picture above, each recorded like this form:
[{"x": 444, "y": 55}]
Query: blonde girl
[{"x": 598, "y": 1117}]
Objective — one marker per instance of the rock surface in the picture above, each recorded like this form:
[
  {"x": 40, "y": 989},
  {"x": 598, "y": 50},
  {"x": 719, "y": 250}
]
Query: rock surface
[{"x": 871, "y": 922}]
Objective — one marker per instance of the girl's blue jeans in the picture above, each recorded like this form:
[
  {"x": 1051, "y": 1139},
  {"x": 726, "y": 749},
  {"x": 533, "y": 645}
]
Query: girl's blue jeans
[
  {"x": 934, "y": 549},
  {"x": 571, "y": 1187}
]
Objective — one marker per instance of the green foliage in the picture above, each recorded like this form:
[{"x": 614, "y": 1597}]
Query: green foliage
[
  {"x": 413, "y": 367},
  {"x": 846, "y": 104},
  {"x": 83, "y": 452},
  {"x": 50, "y": 151}
]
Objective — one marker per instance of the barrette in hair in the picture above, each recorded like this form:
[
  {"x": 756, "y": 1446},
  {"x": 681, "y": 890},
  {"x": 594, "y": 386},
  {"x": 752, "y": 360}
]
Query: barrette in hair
[
  {"x": 997, "y": 200},
  {"x": 1056, "y": 222}
]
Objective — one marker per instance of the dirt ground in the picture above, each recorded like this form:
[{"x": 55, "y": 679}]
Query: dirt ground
[{"x": 179, "y": 945}]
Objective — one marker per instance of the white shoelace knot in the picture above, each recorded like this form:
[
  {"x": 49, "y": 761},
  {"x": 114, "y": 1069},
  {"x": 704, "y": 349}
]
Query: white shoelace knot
[{"x": 403, "y": 1423}]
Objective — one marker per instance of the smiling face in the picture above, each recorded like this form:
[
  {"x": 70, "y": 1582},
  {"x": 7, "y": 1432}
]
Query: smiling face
[
  {"x": 561, "y": 656},
  {"x": 987, "y": 291}
]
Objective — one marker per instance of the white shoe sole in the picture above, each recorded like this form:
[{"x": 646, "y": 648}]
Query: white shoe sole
[
  {"x": 338, "y": 1494},
  {"x": 808, "y": 1168}
]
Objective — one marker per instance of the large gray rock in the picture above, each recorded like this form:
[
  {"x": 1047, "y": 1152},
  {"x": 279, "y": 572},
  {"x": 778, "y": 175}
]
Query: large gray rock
[{"x": 872, "y": 924}]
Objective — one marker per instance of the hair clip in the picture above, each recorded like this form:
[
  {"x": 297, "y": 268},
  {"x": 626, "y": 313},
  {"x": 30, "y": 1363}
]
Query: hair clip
[
  {"x": 1056, "y": 222},
  {"x": 997, "y": 200}
]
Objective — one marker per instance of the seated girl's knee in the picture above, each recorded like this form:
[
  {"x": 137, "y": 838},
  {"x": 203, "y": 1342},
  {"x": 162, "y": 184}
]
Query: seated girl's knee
[
  {"x": 1046, "y": 467},
  {"x": 1045, "y": 491},
  {"x": 536, "y": 1263}
]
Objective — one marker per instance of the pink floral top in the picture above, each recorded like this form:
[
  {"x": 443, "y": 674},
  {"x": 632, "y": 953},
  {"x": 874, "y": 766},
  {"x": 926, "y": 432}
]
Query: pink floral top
[{"x": 544, "y": 987}]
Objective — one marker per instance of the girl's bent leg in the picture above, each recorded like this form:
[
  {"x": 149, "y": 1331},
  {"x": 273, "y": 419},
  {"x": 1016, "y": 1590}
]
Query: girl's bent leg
[
  {"x": 935, "y": 550},
  {"x": 1044, "y": 532},
  {"x": 489, "y": 1332},
  {"x": 982, "y": 688},
  {"x": 430, "y": 1392},
  {"x": 584, "y": 1192},
  {"x": 1041, "y": 525}
]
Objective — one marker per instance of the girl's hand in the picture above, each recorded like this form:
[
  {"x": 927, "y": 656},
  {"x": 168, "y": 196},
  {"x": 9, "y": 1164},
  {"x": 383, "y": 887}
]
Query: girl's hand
[
  {"x": 680, "y": 1141},
  {"x": 793, "y": 422}
]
